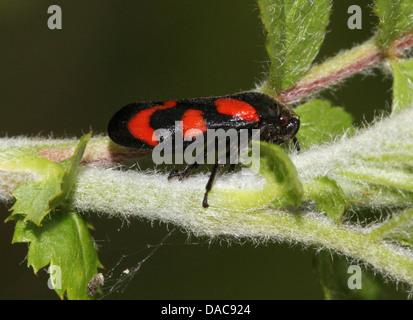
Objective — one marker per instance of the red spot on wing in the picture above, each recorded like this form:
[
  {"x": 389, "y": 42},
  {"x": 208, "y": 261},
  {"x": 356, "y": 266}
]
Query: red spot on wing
[
  {"x": 193, "y": 123},
  {"x": 140, "y": 124},
  {"x": 237, "y": 109},
  {"x": 169, "y": 104}
]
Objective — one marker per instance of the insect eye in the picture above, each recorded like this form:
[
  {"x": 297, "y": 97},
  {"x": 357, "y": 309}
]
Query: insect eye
[{"x": 284, "y": 120}]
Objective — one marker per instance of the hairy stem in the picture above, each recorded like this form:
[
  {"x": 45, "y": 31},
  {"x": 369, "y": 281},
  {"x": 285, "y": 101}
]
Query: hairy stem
[
  {"x": 342, "y": 66},
  {"x": 184, "y": 209},
  {"x": 369, "y": 167}
]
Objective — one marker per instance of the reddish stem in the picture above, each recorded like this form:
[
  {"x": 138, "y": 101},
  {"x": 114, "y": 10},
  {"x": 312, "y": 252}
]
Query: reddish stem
[
  {"x": 298, "y": 91},
  {"x": 303, "y": 88}
]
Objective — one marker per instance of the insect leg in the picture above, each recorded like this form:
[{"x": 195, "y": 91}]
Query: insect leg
[
  {"x": 296, "y": 144},
  {"x": 232, "y": 168},
  {"x": 183, "y": 173},
  {"x": 208, "y": 186}
]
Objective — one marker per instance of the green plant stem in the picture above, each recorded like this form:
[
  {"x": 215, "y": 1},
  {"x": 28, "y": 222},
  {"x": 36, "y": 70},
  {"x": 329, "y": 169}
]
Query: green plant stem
[
  {"x": 399, "y": 221},
  {"x": 369, "y": 166},
  {"x": 100, "y": 151},
  {"x": 183, "y": 208}
]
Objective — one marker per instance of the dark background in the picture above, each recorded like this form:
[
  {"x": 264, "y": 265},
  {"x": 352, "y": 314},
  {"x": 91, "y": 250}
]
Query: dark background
[{"x": 111, "y": 53}]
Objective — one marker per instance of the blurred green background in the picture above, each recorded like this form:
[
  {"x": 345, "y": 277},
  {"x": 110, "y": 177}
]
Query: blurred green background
[{"x": 110, "y": 53}]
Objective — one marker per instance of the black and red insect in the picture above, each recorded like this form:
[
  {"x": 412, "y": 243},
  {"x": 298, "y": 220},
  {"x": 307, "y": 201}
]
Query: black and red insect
[{"x": 135, "y": 124}]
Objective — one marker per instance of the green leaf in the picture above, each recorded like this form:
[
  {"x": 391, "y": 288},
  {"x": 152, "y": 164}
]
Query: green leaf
[
  {"x": 32, "y": 198},
  {"x": 402, "y": 84},
  {"x": 70, "y": 166},
  {"x": 320, "y": 122},
  {"x": 280, "y": 174},
  {"x": 335, "y": 276},
  {"x": 282, "y": 185},
  {"x": 388, "y": 12},
  {"x": 36, "y": 199},
  {"x": 328, "y": 195},
  {"x": 295, "y": 32},
  {"x": 396, "y": 18},
  {"x": 64, "y": 242}
]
